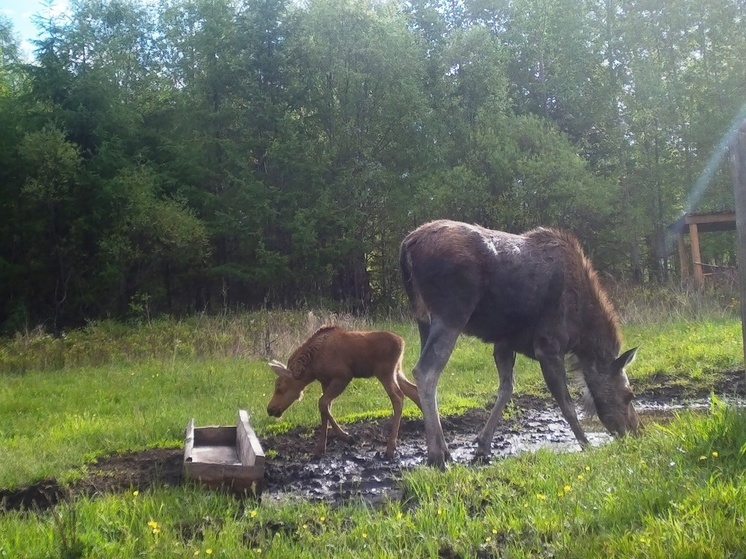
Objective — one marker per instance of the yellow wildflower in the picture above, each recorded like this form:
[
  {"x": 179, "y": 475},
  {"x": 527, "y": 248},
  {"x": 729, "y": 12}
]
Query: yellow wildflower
[{"x": 715, "y": 454}]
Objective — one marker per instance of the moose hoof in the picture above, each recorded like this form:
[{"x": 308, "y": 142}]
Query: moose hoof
[
  {"x": 480, "y": 458},
  {"x": 439, "y": 461}
]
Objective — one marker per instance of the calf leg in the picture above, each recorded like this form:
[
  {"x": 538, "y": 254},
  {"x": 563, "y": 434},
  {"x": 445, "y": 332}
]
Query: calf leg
[
  {"x": 553, "y": 369},
  {"x": 433, "y": 358},
  {"x": 330, "y": 391},
  {"x": 505, "y": 361},
  {"x": 409, "y": 388},
  {"x": 397, "y": 401}
]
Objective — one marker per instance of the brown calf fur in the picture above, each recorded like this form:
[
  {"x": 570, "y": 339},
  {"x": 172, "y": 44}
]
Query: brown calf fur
[{"x": 334, "y": 357}]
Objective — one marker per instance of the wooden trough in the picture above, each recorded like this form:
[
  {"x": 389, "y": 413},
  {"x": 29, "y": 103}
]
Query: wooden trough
[{"x": 225, "y": 457}]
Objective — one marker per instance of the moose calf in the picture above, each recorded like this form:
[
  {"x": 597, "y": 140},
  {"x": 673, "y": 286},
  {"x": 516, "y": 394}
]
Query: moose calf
[{"x": 334, "y": 357}]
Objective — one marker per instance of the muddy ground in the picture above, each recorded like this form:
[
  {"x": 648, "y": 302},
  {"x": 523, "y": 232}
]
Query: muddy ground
[{"x": 360, "y": 470}]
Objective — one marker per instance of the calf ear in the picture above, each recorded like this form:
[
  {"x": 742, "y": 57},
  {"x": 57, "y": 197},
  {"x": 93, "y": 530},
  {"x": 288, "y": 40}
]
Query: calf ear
[
  {"x": 279, "y": 369},
  {"x": 625, "y": 359}
]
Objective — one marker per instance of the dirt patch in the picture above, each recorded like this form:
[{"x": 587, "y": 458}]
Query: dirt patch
[
  {"x": 115, "y": 474},
  {"x": 360, "y": 470}
]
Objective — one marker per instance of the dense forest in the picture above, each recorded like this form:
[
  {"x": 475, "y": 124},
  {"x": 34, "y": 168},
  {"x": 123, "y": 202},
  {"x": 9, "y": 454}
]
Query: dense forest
[{"x": 203, "y": 155}]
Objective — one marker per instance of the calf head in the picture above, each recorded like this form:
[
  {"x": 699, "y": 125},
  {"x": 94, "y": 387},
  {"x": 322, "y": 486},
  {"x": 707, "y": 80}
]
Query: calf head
[
  {"x": 611, "y": 396},
  {"x": 287, "y": 389}
]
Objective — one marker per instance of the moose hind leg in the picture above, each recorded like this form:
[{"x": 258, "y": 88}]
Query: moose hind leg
[
  {"x": 423, "y": 327},
  {"x": 505, "y": 361},
  {"x": 397, "y": 401},
  {"x": 433, "y": 358}
]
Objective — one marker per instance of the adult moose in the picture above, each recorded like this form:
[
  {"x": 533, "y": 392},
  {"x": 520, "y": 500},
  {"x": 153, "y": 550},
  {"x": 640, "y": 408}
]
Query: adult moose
[{"x": 535, "y": 294}]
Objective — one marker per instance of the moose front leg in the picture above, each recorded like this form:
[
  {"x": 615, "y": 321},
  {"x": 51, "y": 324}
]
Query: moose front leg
[
  {"x": 553, "y": 369},
  {"x": 330, "y": 391}
]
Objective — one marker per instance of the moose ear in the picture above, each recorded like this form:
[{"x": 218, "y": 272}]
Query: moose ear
[
  {"x": 625, "y": 359},
  {"x": 279, "y": 369}
]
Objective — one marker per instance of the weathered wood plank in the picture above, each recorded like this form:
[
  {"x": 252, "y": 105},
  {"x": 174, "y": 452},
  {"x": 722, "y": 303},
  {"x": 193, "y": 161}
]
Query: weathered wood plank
[
  {"x": 249, "y": 449},
  {"x": 212, "y": 436},
  {"x": 227, "y": 457},
  {"x": 189, "y": 441},
  {"x": 738, "y": 173}
]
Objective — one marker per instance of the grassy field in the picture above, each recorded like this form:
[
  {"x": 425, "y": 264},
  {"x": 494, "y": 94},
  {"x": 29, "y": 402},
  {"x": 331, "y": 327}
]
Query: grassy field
[{"x": 678, "y": 491}]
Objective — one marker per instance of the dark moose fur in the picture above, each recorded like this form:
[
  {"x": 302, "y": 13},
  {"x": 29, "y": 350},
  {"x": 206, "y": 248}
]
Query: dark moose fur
[{"x": 535, "y": 294}]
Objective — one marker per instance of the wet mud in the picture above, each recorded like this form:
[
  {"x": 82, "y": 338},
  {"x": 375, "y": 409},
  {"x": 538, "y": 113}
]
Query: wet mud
[{"x": 360, "y": 470}]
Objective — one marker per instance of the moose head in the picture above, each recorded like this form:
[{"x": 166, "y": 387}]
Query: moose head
[{"x": 288, "y": 389}]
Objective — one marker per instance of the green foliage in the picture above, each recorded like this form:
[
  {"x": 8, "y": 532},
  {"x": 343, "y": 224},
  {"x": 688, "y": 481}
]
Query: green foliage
[{"x": 213, "y": 155}]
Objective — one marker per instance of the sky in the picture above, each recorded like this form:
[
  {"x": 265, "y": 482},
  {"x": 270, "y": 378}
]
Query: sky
[{"x": 20, "y": 13}]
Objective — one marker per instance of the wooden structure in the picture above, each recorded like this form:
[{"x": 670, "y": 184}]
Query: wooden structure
[
  {"x": 737, "y": 148},
  {"x": 225, "y": 457},
  {"x": 694, "y": 224}
]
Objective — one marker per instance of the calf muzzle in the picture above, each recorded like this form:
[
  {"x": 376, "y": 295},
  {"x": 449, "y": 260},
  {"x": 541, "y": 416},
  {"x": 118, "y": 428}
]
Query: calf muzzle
[{"x": 274, "y": 412}]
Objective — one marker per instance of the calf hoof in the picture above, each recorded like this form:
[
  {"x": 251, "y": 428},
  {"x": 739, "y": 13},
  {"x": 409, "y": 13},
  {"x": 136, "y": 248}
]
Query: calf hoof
[{"x": 346, "y": 437}]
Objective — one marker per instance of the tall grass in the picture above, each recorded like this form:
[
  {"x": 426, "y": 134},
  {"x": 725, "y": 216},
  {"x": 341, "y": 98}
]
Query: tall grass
[
  {"x": 261, "y": 334},
  {"x": 274, "y": 334},
  {"x": 673, "y": 302}
]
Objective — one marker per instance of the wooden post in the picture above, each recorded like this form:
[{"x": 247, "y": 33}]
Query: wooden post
[
  {"x": 699, "y": 277},
  {"x": 683, "y": 259},
  {"x": 738, "y": 171}
]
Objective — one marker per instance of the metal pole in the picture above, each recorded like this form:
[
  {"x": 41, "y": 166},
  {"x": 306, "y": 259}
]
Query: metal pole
[{"x": 738, "y": 171}]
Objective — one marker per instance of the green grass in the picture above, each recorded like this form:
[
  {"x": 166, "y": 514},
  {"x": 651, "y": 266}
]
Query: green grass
[
  {"x": 112, "y": 388},
  {"x": 57, "y": 419},
  {"x": 677, "y": 492}
]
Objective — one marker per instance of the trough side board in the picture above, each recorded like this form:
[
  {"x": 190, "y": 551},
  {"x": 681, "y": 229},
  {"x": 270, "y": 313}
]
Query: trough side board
[{"x": 224, "y": 457}]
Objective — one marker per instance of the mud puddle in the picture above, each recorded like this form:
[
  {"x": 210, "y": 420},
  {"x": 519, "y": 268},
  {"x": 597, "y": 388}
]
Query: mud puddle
[
  {"x": 360, "y": 471},
  {"x": 357, "y": 471}
]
